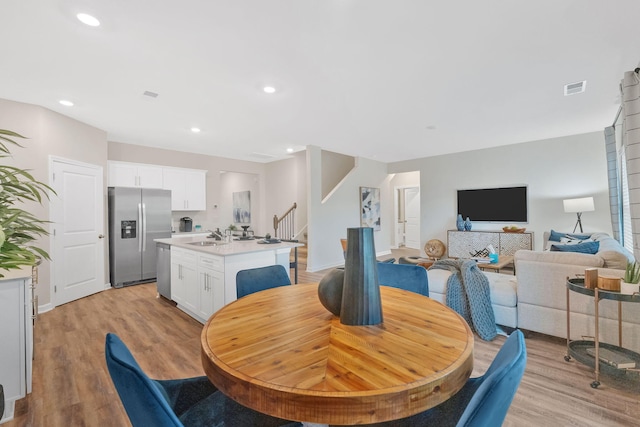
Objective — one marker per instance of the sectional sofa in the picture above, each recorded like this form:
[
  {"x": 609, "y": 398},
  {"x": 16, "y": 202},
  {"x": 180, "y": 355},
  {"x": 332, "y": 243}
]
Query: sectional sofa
[
  {"x": 535, "y": 299},
  {"x": 542, "y": 277}
]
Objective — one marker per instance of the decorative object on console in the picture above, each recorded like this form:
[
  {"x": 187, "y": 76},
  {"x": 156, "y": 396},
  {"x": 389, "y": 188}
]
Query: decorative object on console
[
  {"x": 467, "y": 224},
  {"x": 434, "y": 249},
  {"x": 578, "y": 206},
  {"x": 609, "y": 283},
  {"x": 631, "y": 281},
  {"x": 361, "y": 290},
  {"x": 590, "y": 278},
  {"x": 513, "y": 229},
  {"x": 481, "y": 253},
  {"x": 370, "y": 207},
  {"x": 460, "y": 223}
]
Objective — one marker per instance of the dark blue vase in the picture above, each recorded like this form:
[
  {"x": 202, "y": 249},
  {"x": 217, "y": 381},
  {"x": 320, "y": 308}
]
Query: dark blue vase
[
  {"x": 460, "y": 223},
  {"x": 467, "y": 224},
  {"x": 361, "y": 303}
]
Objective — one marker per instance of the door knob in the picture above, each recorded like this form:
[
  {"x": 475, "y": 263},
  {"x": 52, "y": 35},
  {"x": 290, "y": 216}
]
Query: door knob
[{"x": 100, "y": 236}]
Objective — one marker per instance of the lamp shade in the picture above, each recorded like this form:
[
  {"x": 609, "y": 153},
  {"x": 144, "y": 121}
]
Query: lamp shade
[{"x": 583, "y": 204}]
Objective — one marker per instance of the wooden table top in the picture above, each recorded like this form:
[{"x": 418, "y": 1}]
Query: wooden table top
[{"x": 282, "y": 353}]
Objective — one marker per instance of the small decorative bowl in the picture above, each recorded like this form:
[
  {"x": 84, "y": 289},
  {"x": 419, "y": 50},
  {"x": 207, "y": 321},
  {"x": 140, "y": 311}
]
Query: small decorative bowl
[{"x": 513, "y": 230}]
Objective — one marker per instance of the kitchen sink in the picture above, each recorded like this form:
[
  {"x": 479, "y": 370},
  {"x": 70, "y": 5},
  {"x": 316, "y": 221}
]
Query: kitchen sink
[{"x": 206, "y": 243}]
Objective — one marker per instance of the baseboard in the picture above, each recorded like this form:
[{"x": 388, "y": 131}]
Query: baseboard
[{"x": 45, "y": 307}]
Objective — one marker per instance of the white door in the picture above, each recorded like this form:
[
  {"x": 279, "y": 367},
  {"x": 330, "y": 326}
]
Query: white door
[
  {"x": 412, "y": 217},
  {"x": 77, "y": 213}
]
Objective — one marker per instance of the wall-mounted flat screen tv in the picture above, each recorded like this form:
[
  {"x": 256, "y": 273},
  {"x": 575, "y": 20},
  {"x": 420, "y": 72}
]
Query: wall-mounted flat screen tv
[{"x": 507, "y": 204}]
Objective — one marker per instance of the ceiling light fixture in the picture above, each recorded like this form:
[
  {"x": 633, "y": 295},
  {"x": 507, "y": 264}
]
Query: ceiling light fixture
[
  {"x": 66, "y": 103},
  {"x": 269, "y": 89},
  {"x": 289, "y": 150},
  {"x": 87, "y": 19},
  {"x": 195, "y": 130}
]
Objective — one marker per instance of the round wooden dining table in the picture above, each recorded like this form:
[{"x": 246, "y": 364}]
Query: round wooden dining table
[{"x": 282, "y": 353}]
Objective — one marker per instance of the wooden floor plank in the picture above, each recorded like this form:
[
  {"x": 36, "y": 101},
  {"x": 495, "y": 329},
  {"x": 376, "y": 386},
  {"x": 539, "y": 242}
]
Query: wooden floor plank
[{"x": 72, "y": 387}]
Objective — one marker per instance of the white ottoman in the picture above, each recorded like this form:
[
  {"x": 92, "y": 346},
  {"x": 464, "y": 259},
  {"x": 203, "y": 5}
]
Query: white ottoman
[{"x": 503, "y": 291}]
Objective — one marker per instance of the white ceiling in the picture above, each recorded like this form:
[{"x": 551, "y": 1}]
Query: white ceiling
[{"x": 387, "y": 80}]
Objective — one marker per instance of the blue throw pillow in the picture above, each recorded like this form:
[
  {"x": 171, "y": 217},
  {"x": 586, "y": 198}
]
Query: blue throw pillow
[
  {"x": 584, "y": 248},
  {"x": 578, "y": 236},
  {"x": 554, "y": 236}
]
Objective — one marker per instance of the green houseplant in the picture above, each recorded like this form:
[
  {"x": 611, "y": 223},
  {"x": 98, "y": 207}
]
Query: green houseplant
[
  {"x": 631, "y": 280},
  {"x": 18, "y": 227}
]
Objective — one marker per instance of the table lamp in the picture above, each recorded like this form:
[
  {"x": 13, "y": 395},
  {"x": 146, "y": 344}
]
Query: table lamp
[{"x": 583, "y": 204}]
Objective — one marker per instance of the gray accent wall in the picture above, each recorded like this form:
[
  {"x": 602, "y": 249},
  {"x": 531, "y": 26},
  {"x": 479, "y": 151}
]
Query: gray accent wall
[{"x": 553, "y": 169}]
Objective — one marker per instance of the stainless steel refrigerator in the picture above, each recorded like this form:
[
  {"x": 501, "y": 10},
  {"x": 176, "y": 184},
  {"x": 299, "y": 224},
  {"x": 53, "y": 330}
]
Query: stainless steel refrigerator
[{"x": 137, "y": 216}]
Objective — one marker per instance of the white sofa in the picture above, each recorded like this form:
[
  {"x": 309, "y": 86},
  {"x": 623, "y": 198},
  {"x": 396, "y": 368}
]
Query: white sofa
[
  {"x": 502, "y": 287},
  {"x": 541, "y": 291}
]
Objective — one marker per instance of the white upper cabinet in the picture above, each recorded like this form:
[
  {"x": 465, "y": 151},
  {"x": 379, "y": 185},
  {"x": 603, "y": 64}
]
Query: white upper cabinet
[
  {"x": 125, "y": 174},
  {"x": 188, "y": 188}
]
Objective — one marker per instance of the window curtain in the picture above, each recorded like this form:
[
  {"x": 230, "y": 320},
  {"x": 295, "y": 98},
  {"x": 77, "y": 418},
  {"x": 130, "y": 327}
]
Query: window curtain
[
  {"x": 631, "y": 128},
  {"x": 614, "y": 182}
]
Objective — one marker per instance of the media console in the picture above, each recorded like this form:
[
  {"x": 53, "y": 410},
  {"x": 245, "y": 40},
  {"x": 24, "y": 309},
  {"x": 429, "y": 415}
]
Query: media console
[{"x": 461, "y": 244}]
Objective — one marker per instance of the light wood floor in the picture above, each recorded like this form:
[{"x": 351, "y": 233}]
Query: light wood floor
[{"x": 72, "y": 387}]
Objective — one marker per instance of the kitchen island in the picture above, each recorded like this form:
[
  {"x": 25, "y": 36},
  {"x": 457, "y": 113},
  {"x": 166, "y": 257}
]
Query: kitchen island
[{"x": 203, "y": 270}]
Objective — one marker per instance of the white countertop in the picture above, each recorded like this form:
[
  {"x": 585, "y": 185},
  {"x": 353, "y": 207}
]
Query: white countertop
[
  {"x": 16, "y": 273},
  {"x": 226, "y": 249}
]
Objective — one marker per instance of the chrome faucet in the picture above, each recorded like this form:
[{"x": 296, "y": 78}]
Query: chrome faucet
[{"x": 216, "y": 234}]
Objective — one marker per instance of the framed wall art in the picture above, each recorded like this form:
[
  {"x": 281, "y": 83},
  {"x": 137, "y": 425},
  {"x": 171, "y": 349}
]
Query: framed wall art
[
  {"x": 242, "y": 207},
  {"x": 370, "y": 207}
]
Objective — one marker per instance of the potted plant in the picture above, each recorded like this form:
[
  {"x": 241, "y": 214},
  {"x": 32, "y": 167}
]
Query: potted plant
[
  {"x": 18, "y": 227},
  {"x": 631, "y": 281}
]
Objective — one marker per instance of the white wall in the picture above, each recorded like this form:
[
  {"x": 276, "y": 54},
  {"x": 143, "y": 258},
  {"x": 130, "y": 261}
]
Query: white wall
[
  {"x": 234, "y": 182},
  {"x": 50, "y": 133},
  {"x": 213, "y": 217},
  {"x": 286, "y": 183},
  {"x": 553, "y": 169},
  {"x": 330, "y": 218}
]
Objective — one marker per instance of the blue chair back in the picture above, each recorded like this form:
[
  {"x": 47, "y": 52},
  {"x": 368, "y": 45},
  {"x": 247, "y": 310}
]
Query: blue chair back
[
  {"x": 404, "y": 276},
  {"x": 142, "y": 398},
  {"x": 259, "y": 279},
  {"x": 494, "y": 391}
]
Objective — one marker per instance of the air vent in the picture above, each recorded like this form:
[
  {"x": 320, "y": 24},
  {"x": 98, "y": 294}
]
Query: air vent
[
  {"x": 263, "y": 155},
  {"x": 573, "y": 88},
  {"x": 150, "y": 94}
]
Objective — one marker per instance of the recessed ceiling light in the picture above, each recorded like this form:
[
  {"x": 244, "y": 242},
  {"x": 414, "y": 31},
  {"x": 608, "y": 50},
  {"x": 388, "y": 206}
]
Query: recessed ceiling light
[
  {"x": 269, "y": 89},
  {"x": 289, "y": 150},
  {"x": 87, "y": 19},
  {"x": 66, "y": 103},
  {"x": 195, "y": 130}
]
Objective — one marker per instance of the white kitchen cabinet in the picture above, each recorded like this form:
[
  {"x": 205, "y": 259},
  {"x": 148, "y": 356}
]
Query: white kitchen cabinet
[
  {"x": 202, "y": 292},
  {"x": 125, "y": 174},
  {"x": 211, "y": 285},
  {"x": 188, "y": 188},
  {"x": 16, "y": 336},
  {"x": 183, "y": 274}
]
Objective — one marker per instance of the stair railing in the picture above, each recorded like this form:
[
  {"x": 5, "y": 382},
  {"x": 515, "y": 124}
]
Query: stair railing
[{"x": 284, "y": 229}]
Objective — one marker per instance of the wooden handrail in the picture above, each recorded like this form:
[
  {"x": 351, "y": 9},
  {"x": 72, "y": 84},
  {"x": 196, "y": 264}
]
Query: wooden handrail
[{"x": 287, "y": 221}]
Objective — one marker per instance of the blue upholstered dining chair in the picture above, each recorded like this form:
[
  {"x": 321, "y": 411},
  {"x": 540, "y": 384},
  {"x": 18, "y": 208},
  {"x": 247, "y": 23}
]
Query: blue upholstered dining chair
[
  {"x": 404, "y": 276},
  {"x": 183, "y": 402},
  {"x": 482, "y": 401},
  {"x": 259, "y": 279}
]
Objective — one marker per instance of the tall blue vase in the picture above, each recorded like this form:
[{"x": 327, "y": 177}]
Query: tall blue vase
[
  {"x": 361, "y": 303},
  {"x": 467, "y": 224},
  {"x": 460, "y": 223}
]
